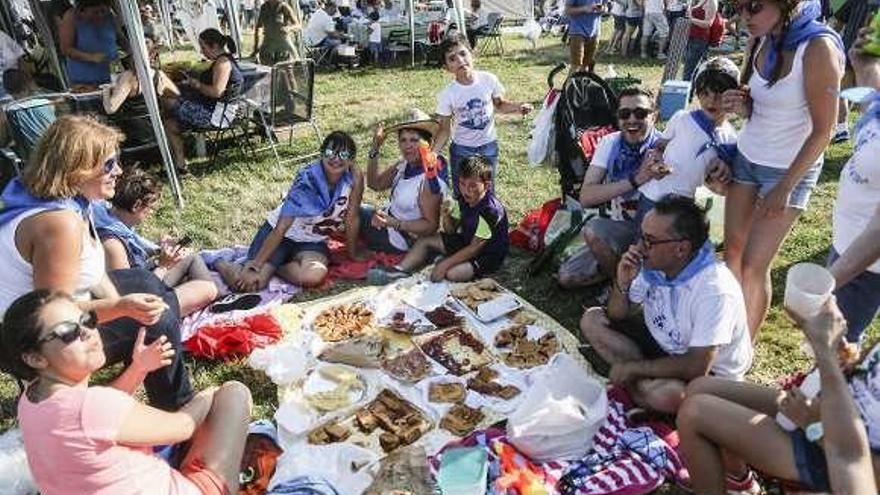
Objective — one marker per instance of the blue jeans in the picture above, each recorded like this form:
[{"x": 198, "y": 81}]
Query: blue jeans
[
  {"x": 694, "y": 53},
  {"x": 457, "y": 153},
  {"x": 858, "y": 300},
  {"x": 376, "y": 51}
]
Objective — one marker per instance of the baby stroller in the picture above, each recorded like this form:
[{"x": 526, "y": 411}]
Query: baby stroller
[{"x": 587, "y": 110}]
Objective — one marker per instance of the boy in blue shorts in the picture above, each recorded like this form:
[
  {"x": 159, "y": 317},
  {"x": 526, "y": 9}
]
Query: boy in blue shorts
[
  {"x": 471, "y": 99},
  {"x": 478, "y": 244}
]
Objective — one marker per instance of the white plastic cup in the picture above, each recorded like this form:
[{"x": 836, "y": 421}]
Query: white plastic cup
[
  {"x": 810, "y": 388},
  {"x": 807, "y": 287}
]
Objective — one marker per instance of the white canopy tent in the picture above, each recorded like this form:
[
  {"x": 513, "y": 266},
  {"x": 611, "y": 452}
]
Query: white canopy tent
[{"x": 519, "y": 10}]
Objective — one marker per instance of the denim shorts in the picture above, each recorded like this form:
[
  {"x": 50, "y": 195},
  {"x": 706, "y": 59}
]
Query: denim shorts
[
  {"x": 858, "y": 300},
  {"x": 765, "y": 179},
  {"x": 810, "y": 461},
  {"x": 458, "y": 152},
  {"x": 619, "y": 22},
  {"x": 287, "y": 250}
]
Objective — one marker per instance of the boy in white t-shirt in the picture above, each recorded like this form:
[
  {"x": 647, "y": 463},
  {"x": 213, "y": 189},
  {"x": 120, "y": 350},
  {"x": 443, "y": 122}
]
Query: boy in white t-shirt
[
  {"x": 654, "y": 22},
  {"x": 471, "y": 100},
  {"x": 375, "y": 37},
  {"x": 698, "y": 146}
]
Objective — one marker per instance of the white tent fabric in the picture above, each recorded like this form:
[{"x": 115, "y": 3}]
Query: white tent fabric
[{"x": 511, "y": 9}]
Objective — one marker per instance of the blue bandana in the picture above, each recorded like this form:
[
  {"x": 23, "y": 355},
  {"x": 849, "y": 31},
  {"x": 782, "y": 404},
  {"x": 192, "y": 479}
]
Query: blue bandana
[
  {"x": 871, "y": 104},
  {"x": 626, "y": 158},
  {"x": 705, "y": 257},
  {"x": 310, "y": 194},
  {"x": 726, "y": 152},
  {"x": 804, "y": 27},
  {"x": 137, "y": 248},
  {"x": 16, "y": 200}
]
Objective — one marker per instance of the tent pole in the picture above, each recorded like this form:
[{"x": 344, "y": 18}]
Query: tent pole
[
  {"x": 165, "y": 13},
  {"x": 140, "y": 60},
  {"x": 412, "y": 32},
  {"x": 232, "y": 18},
  {"x": 461, "y": 21}
]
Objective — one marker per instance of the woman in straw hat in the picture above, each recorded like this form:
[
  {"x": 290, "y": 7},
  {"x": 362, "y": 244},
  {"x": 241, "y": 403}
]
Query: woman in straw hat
[{"x": 417, "y": 181}]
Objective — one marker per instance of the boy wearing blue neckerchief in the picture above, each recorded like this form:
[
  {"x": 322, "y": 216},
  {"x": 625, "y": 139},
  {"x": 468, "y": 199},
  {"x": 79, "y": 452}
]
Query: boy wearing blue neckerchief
[
  {"x": 698, "y": 146},
  {"x": 617, "y": 170},
  {"x": 693, "y": 318}
]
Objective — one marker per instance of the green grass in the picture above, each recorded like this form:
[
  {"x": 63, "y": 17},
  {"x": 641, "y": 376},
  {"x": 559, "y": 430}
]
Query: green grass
[{"x": 225, "y": 204}]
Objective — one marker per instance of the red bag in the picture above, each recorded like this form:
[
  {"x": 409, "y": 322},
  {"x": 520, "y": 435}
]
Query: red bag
[
  {"x": 529, "y": 234},
  {"x": 232, "y": 339},
  {"x": 716, "y": 30}
]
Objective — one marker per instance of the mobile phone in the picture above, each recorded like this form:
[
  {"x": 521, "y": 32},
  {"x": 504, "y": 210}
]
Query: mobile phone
[{"x": 184, "y": 241}]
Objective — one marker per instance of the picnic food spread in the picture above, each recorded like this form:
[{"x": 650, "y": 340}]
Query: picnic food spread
[{"x": 343, "y": 322}]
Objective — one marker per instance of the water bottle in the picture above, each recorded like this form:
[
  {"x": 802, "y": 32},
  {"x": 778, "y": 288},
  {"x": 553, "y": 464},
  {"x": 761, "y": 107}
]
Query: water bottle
[{"x": 809, "y": 387}]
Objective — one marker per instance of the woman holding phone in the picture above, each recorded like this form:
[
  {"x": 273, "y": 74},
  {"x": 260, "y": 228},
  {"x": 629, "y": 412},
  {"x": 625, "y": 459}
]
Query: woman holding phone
[{"x": 48, "y": 241}]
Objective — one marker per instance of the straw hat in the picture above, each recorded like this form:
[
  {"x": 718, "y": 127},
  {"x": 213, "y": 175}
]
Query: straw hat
[{"x": 418, "y": 120}]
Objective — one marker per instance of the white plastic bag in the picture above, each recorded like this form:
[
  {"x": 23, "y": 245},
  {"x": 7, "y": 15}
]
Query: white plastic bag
[
  {"x": 542, "y": 135},
  {"x": 15, "y": 475},
  {"x": 560, "y": 414}
]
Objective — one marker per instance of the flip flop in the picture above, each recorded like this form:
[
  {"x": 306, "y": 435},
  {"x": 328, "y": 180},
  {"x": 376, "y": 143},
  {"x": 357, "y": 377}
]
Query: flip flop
[{"x": 236, "y": 302}]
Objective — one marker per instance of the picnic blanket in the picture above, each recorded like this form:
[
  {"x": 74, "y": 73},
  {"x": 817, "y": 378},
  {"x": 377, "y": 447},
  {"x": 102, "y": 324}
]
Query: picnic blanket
[{"x": 626, "y": 459}]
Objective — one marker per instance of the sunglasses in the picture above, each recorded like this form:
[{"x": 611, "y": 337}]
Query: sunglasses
[
  {"x": 110, "y": 164},
  {"x": 342, "y": 154},
  {"x": 753, "y": 7},
  {"x": 639, "y": 113},
  {"x": 69, "y": 331},
  {"x": 649, "y": 243}
]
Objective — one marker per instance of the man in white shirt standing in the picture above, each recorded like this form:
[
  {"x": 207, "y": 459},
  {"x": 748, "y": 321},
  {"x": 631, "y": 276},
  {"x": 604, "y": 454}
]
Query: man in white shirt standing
[
  {"x": 694, "y": 316},
  {"x": 10, "y": 54},
  {"x": 653, "y": 23},
  {"x": 321, "y": 30}
]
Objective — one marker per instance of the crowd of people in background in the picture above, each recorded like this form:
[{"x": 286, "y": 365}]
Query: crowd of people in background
[{"x": 82, "y": 289}]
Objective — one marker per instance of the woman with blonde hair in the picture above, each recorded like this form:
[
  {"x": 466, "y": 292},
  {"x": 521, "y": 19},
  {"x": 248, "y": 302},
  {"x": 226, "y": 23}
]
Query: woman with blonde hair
[{"x": 48, "y": 241}]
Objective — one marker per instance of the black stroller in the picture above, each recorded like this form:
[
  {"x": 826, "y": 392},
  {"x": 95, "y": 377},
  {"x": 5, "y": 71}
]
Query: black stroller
[{"x": 587, "y": 110}]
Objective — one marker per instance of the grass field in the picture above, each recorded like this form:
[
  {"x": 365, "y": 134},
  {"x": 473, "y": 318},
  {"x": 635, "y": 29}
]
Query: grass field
[{"x": 225, "y": 204}]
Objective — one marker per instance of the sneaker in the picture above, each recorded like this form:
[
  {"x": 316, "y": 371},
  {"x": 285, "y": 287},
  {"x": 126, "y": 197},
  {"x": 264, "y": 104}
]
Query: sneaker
[
  {"x": 748, "y": 485},
  {"x": 841, "y": 136},
  {"x": 384, "y": 276},
  {"x": 236, "y": 302}
]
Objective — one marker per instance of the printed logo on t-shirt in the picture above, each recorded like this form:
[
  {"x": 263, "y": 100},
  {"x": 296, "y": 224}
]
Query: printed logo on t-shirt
[
  {"x": 853, "y": 173},
  {"x": 473, "y": 115}
]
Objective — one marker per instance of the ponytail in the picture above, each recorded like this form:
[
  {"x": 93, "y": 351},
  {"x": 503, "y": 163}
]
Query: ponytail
[
  {"x": 230, "y": 45},
  {"x": 214, "y": 37}
]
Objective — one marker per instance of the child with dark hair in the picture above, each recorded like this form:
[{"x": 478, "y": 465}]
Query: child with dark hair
[
  {"x": 323, "y": 201},
  {"x": 375, "y": 36},
  {"x": 476, "y": 243},
  {"x": 137, "y": 194},
  {"x": 471, "y": 99}
]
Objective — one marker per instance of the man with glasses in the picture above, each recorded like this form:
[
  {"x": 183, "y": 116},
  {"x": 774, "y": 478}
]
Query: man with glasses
[
  {"x": 616, "y": 171},
  {"x": 675, "y": 313}
]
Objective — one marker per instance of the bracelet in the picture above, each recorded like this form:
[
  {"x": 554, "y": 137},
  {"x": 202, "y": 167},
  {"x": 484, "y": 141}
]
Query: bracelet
[{"x": 632, "y": 181}]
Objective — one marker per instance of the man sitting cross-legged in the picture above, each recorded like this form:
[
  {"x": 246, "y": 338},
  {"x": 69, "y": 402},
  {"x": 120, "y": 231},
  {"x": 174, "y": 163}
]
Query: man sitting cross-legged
[{"x": 694, "y": 319}]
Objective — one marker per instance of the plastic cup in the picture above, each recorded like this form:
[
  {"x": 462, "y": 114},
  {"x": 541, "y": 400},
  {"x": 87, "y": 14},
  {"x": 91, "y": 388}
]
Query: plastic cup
[{"x": 807, "y": 287}]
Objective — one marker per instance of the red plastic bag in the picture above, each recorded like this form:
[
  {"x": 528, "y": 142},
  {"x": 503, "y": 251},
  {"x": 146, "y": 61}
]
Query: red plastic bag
[
  {"x": 233, "y": 339},
  {"x": 529, "y": 234},
  {"x": 590, "y": 138}
]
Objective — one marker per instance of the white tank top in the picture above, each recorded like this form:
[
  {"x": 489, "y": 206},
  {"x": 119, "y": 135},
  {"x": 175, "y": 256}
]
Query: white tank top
[
  {"x": 18, "y": 274},
  {"x": 405, "y": 202},
  {"x": 780, "y": 121}
]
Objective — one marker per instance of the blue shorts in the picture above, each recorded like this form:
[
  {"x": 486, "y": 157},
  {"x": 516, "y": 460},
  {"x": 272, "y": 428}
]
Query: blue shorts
[
  {"x": 287, "y": 250},
  {"x": 458, "y": 152},
  {"x": 765, "y": 179},
  {"x": 634, "y": 21},
  {"x": 619, "y": 22},
  {"x": 483, "y": 264},
  {"x": 858, "y": 300},
  {"x": 810, "y": 461}
]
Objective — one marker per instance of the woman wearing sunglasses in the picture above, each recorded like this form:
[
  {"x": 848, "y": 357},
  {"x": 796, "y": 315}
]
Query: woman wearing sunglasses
[
  {"x": 84, "y": 440},
  {"x": 323, "y": 201},
  {"x": 790, "y": 119},
  {"x": 48, "y": 241}
]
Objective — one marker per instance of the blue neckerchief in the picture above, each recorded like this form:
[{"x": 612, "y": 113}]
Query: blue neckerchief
[
  {"x": 16, "y": 199},
  {"x": 726, "y": 152},
  {"x": 137, "y": 248},
  {"x": 871, "y": 104},
  {"x": 310, "y": 195},
  {"x": 705, "y": 257},
  {"x": 804, "y": 27},
  {"x": 627, "y": 158}
]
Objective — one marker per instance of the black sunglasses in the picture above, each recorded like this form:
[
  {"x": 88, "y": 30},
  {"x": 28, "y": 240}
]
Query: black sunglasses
[
  {"x": 639, "y": 113},
  {"x": 110, "y": 164},
  {"x": 753, "y": 7},
  {"x": 651, "y": 243},
  {"x": 69, "y": 331}
]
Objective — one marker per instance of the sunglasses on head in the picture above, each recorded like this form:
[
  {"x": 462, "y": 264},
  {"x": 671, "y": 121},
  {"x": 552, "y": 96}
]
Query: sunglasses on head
[
  {"x": 753, "y": 7},
  {"x": 69, "y": 331},
  {"x": 110, "y": 164},
  {"x": 341, "y": 154},
  {"x": 639, "y": 113}
]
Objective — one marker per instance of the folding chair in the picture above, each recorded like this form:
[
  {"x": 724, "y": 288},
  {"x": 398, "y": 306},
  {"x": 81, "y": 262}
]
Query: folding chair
[
  {"x": 230, "y": 122},
  {"x": 291, "y": 104},
  {"x": 398, "y": 43},
  {"x": 492, "y": 37},
  {"x": 27, "y": 118},
  {"x": 322, "y": 55}
]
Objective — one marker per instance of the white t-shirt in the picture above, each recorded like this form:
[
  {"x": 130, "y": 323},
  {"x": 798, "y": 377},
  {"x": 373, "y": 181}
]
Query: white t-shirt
[
  {"x": 654, "y": 6},
  {"x": 618, "y": 8},
  {"x": 633, "y": 9},
  {"x": 688, "y": 170},
  {"x": 10, "y": 52},
  {"x": 707, "y": 310},
  {"x": 625, "y": 206},
  {"x": 375, "y": 32},
  {"x": 674, "y": 6},
  {"x": 865, "y": 388},
  {"x": 472, "y": 108},
  {"x": 320, "y": 24},
  {"x": 858, "y": 195}
]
